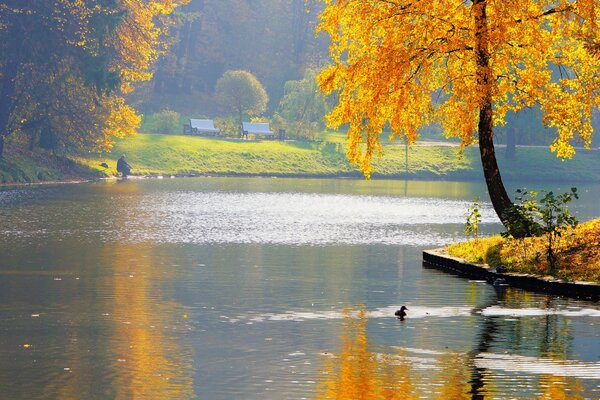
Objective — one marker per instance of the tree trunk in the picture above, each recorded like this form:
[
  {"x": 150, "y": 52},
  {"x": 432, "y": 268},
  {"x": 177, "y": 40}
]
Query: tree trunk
[
  {"x": 1, "y": 146},
  {"x": 501, "y": 202}
]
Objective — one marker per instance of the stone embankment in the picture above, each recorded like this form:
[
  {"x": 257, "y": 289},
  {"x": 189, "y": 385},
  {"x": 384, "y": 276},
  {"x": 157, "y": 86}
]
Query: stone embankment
[{"x": 439, "y": 259}]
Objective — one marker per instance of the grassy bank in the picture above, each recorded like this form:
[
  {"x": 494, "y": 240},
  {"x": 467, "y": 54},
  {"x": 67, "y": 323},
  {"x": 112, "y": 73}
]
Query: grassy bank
[
  {"x": 172, "y": 154},
  {"x": 578, "y": 253},
  {"x": 175, "y": 154},
  {"x": 23, "y": 166}
]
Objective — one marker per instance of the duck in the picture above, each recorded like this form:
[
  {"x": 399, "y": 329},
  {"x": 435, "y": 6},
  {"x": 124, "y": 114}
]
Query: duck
[{"x": 401, "y": 313}]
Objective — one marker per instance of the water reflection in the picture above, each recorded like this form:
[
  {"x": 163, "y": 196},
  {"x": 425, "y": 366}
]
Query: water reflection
[
  {"x": 109, "y": 334},
  {"x": 358, "y": 371},
  {"x": 236, "y": 288},
  {"x": 150, "y": 361},
  {"x": 363, "y": 369}
]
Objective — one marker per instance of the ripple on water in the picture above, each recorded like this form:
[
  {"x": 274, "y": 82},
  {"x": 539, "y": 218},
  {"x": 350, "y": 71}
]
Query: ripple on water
[
  {"x": 214, "y": 217},
  {"x": 415, "y": 312}
]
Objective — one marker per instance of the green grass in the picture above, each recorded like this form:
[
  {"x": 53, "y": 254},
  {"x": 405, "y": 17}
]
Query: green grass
[
  {"x": 171, "y": 154},
  {"x": 177, "y": 154},
  {"x": 22, "y": 166}
]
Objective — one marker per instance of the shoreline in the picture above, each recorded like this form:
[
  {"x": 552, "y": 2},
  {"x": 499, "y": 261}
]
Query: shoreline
[
  {"x": 438, "y": 259},
  {"x": 354, "y": 175}
]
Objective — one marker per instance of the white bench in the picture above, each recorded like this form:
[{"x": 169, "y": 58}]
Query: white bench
[
  {"x": 200, "y": 126},
  {"x": 257, "y": 128}
]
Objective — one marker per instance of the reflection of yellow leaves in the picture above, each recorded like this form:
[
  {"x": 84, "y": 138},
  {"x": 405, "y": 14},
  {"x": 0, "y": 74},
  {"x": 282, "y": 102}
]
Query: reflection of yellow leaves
[
  {"x": 560, "y": 388},
  {"x": 358, "y": 373},
  {"x": 454, "y": 376}
]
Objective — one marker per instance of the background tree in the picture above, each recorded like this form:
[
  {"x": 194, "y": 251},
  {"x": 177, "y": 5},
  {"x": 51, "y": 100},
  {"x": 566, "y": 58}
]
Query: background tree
[
  {"x": 303, "y": 106},
  {"x": 243, "y": 93},
  {"x": 273, "y": 38},
  {"x": 464, "y": 64},
  {"x": 65, "y": 65}
]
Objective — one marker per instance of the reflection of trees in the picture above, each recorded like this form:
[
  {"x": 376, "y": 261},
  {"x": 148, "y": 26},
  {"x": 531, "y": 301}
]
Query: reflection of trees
[
  {"x": 150, "y": 360},
  {"x": 549, "y": 336},
  {"x": 356, "y": 372},
  {"x": 134, "y": 350},
  {"x": 560, "y": 388}
]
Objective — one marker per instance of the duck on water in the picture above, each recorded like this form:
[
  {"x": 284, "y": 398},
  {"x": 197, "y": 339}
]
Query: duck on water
[{"x": 401, "y": 313}]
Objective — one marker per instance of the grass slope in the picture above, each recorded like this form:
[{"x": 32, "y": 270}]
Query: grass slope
[
  {"x": 23, "y": 166},
  {"x": 176, "y": 154},
  {"x": 172, "y": 154}
]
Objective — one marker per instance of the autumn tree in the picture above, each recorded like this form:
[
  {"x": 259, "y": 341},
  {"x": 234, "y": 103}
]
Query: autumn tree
[
  {"x": 241, "y": 92},
  {"x": 466, "y": 64},
  {"x": 65, "y": 66}
]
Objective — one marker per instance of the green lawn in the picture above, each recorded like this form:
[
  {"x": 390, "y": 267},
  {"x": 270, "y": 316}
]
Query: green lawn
[{"x": 176, "y": 154}]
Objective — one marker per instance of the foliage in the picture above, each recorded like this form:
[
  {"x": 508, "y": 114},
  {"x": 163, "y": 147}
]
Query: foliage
[
  {"x": 550, "y": 218},
  {"x": 577, "y": 253},
  {"x": 464, "y": 65},
  {"x": 526, "y": 211},
  {"x": 242, "y": 93},
  {"x": 274, "y": 39},
  {"x": 538, "y": 55},
  {"x": 65, "y": 65},
  {"x": 303, "y": 106},
  {"x": 473, "y": 218},
  {"x": 165, "y": 122},
  {"x": 229, "y": 126}
]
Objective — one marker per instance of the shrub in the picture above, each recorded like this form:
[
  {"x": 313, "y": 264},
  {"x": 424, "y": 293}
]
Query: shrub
[
  {"x": 163, "y": 122},
  {"x": 229, "y": 126},
  {"x": 549, "y": 218},
  {"x": 473, "y": 218}
]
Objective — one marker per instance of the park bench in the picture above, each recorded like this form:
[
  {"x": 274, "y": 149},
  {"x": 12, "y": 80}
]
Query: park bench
[
  {"x": 200, "y": 127},
  {"x": 257, "y": 129}
]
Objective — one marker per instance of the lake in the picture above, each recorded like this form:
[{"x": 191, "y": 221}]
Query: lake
[{"x": 258, "y": 288}]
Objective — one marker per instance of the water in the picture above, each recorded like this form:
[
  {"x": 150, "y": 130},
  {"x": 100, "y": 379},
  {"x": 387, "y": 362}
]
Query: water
[{"x": 223, "y": 288}]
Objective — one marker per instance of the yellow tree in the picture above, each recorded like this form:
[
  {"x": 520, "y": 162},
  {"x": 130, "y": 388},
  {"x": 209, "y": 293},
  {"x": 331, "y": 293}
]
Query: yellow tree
[{"x": 404, "y": 64}]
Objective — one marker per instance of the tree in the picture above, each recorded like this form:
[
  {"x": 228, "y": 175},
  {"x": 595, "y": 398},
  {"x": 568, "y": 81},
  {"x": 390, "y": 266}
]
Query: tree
[
  {"x": 464, "y": 64},
  {"x": 65, "y": 66},
  {"x": 303, "y": 106},
  {"x": 273, "y": 38},
  {"x": 242, "y": 92}
]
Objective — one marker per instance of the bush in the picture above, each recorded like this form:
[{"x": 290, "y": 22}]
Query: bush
[
  {"x": 165, "y": 122},
  {"x": 229, "y": 126},
  {"x": 549, "y": 218}
]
